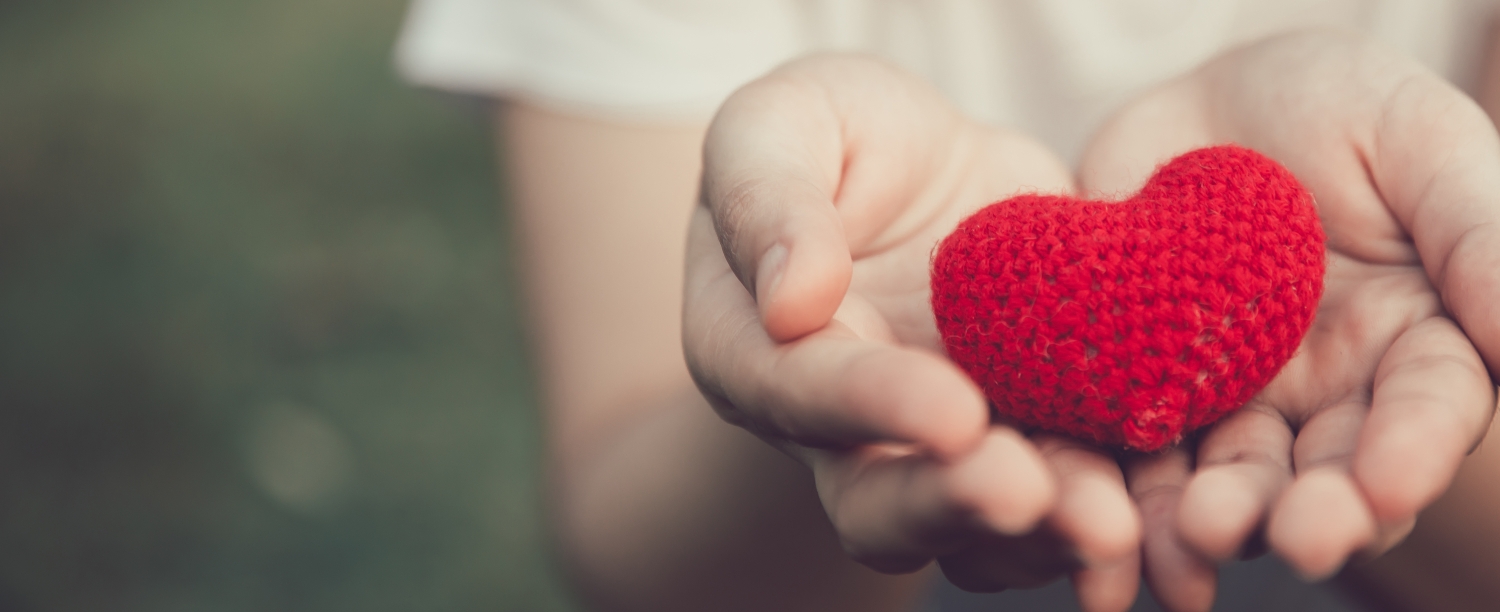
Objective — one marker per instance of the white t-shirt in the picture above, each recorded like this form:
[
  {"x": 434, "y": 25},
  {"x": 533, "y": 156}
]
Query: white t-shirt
[{"x": 1055, "y": 68}]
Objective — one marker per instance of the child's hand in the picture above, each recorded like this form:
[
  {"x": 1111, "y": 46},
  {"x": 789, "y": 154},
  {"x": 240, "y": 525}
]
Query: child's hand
[
  {"x": 1369, "y": 421},
  {"x": 807, "y": 321}
]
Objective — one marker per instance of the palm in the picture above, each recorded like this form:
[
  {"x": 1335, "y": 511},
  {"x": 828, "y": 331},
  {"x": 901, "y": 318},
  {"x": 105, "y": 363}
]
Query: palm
[
  {"x": 1367, "y": 422},
  {"x": 891, "y": 270},
  {"x": 1365, "y": 308},
  {"x": 1375, "y": 289}
]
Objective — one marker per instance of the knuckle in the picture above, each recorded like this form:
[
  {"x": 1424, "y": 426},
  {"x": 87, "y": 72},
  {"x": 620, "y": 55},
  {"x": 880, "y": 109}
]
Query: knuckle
[{"x": 735, "y": 210}]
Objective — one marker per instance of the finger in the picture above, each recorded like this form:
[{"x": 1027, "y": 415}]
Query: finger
[
  {"x": 895, "y": 511},
  {"x": 1320, "y": 522},
  {"x": 772, "y": 162},
  {"x": 1094, "y": 512},
  {"x": 995, "y": 564},
  {"x": 829, "y": 156},
  {"x": 1109, "y": 587},
  {"x": 1140, "y": 137},
  {"x": 1244, "y": 462},
  {"x": 1096, "y": 518},
  {"x": 1435, "y": 158},
  {"x": 1093, "y": 533},
  {"x": 1364, "y": 472},
  {"x": 1181, "y": 580},
  {"x": 1322, "y": 518},
  {"x": 1432, "y": 403},
  {"x": 831, "y": 389}
]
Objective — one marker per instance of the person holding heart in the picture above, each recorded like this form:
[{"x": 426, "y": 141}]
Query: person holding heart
[{"x": 805, "y": 303}]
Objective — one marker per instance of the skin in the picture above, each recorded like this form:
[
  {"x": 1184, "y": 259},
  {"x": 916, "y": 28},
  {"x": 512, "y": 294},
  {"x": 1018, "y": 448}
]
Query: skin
[
  {"x": 659, "y": 505},
  {"x": 1388, "y": 392},
  {"x": 868, "y": 449},
  {"x": 656, "y": 503},
  {"x": 1447, "y": 562},
  {"x": 807, "y": 321}
]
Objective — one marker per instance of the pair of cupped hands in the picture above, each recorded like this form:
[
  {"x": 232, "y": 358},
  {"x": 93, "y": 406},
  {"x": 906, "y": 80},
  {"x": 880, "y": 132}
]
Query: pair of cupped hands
[{"x": 827, "y": 184}]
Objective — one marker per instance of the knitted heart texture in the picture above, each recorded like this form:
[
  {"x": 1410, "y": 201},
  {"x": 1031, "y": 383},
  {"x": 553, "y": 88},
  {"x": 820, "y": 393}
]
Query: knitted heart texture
[{"x": 1132, "y": 323}]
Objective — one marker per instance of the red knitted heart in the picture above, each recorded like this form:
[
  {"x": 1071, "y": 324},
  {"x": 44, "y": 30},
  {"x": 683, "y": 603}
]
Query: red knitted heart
[{"x": 1132, "y": 323}]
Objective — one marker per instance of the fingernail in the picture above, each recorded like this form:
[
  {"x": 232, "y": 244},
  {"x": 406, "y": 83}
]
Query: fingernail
[{"x": 768, "y": 274}]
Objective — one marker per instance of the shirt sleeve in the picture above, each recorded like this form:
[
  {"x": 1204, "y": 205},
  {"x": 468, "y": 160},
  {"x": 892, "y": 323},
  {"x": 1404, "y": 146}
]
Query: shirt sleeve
[{"x": 661, "y": 59}]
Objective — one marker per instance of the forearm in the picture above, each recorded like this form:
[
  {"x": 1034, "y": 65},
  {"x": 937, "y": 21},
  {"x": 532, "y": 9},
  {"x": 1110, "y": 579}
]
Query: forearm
[
  {"x": 658, "y": 505},
  {"x": 685, "y": 512}
]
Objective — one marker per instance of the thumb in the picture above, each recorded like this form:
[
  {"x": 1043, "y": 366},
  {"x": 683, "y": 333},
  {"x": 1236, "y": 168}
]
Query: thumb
[{"x": 772, "y": 162}]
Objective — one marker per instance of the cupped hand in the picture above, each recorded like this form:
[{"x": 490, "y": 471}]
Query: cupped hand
[
  {"x": 1368, "y": 422},
  {"x": 807, "y": 321}
]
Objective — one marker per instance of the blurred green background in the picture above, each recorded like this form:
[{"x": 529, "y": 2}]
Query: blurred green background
[{"x": 259, "y": 335}]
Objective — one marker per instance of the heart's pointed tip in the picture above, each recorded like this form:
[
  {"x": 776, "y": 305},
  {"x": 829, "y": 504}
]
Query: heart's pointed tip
[
  {"x": 1154, "y": 428},
  {"x": 1151, "y": 447}
]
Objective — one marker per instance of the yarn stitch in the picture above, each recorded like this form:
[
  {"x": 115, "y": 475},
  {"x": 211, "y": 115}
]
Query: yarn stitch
[{"x": 1133, "y": 323}]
